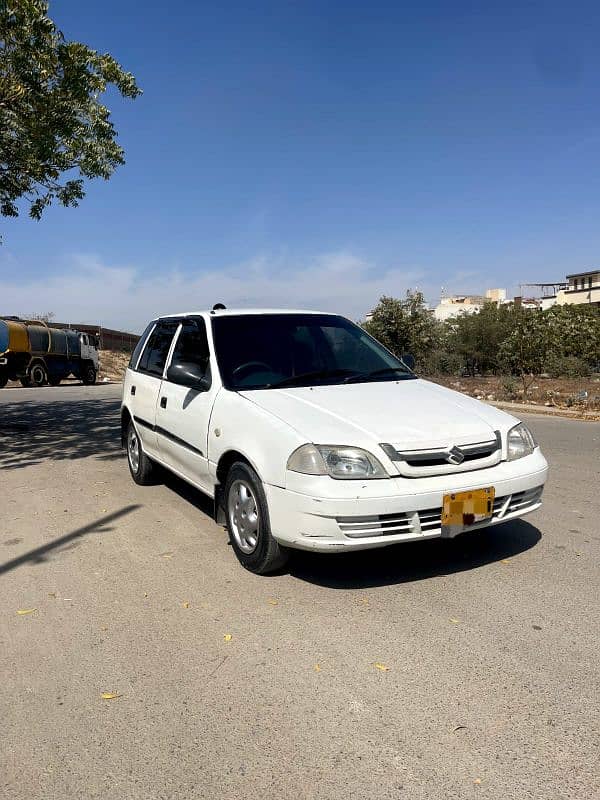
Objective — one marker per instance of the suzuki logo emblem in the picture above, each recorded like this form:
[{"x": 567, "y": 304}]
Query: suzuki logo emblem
[{"x": 455, "y": 456}]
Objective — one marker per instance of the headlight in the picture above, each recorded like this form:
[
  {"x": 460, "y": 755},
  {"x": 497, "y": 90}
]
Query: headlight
[
  {"x": 346, "y": 463},
  {"x": 520, "y": 442}
]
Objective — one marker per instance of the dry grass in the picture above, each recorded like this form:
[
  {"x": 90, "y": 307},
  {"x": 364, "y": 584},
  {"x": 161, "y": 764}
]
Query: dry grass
[{"x": 576, "y": 393}]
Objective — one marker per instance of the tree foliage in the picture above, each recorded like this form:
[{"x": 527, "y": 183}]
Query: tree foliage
[
  {"x": 405, "y": 326},
  {"x": 477, "y": 338},
  {"x": 506, "y": 339},
  {"x": 525, "y": 350},
  {"x": 54, "y": 132}
]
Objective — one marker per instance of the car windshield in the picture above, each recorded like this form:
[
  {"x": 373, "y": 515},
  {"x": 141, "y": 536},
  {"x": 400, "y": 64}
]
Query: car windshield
[{"x": 271, "y": 351}]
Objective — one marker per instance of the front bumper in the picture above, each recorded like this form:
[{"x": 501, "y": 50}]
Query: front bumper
[{"x": 327, "y": 515}]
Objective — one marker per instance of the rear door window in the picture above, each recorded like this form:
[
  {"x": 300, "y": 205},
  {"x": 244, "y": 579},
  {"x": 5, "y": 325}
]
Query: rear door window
[
  {"x": 155, "y": 353},
  {"x": 140, "y": 343},
  {"x": 192, "y": 345}
]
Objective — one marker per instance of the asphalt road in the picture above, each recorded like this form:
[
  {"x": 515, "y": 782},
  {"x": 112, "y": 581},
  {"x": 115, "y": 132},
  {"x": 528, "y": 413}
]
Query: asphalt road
[{"x": 491, "y": 642}]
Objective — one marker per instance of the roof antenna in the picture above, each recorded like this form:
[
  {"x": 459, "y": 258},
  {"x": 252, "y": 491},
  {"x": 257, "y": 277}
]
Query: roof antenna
[{"x": 219, "y": 307}]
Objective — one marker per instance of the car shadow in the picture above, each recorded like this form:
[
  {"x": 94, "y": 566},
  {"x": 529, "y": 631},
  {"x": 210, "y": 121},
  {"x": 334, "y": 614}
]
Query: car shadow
[
  {"x": 187, "y": 492},
  {"x": 394, "y": 564},
  {"x": 414, "y": 561}
]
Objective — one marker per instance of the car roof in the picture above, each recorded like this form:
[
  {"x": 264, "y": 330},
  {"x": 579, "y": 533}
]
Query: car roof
[{"x": 236, "y": 312}]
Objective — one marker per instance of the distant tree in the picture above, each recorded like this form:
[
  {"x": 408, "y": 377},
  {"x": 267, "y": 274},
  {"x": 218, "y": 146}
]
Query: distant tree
[
  {"x": 525, "y": 350},
  {"x": 44, "y": 316},
  {"x": 51, "y": 121},
  {"x": 574, "y": 332},
  {"x": 405, "y": 326},
  {"x": 477, "y": 337}
]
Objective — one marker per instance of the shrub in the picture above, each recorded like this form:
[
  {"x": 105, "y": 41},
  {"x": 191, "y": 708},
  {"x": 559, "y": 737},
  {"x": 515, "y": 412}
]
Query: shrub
[
  {"x": 441, "y": 362},
  {"x": 567, "y": 367},
  {"x": 508, "y": 386}
]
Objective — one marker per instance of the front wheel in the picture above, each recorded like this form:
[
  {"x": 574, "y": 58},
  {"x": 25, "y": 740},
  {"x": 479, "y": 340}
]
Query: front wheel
[
  {"x": 141, "y": 467},
  {"x": 3, "y": 378},
  {"x": 248, "y": 522}
]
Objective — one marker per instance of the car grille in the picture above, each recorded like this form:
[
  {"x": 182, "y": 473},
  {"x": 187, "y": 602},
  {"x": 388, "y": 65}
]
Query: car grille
[
  {"x": 448, "y": 459},
  {"x": 428, "y": 521}
]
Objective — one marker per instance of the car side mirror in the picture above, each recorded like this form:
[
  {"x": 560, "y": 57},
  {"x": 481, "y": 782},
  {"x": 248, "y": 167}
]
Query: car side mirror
[
  {"x": 409, "y": 360},
  {"x": 186, "y": 373}
]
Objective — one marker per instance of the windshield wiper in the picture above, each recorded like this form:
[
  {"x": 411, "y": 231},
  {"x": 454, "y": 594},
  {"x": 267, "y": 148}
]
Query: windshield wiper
[
  {"x": 309, "y": 376},
  {"x": 362, "y": 376}
]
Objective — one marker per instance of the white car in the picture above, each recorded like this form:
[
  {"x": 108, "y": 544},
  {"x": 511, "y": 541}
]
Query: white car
[{"x": 309, "y": 434}]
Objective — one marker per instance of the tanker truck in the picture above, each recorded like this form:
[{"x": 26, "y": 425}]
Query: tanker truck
[{"x": 36, "y": 354}]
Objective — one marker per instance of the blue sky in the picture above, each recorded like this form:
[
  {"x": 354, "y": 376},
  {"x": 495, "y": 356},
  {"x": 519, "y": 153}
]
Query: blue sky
[{"x": 323, "y": 153}]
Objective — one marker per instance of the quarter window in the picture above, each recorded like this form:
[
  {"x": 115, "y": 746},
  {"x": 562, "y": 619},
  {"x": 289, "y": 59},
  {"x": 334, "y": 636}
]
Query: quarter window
[{"x": 156, "y": 351}]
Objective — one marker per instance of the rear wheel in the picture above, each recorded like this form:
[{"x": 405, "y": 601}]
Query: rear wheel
[
  {"x": 141, "y": 467},
  {"x": 88, "y": 375},
  {"x": 54, "y": 380},
  {"x": 248, "y": 522},
  {"x": 38, "y": 375}
]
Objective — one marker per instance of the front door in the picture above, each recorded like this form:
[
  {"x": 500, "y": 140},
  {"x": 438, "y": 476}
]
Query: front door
[{"x": 182, "y": 414}]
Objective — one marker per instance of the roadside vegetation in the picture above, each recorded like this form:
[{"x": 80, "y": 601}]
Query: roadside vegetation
[{"x": 505, "y": 351}]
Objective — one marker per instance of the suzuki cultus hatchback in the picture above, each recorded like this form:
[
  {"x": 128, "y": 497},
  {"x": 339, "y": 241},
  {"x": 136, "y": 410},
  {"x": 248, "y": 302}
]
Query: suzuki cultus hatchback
[{"x": 309, "y": 434}]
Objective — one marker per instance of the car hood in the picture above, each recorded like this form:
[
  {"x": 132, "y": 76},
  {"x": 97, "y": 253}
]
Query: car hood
[{"x": 406, "y": 413}]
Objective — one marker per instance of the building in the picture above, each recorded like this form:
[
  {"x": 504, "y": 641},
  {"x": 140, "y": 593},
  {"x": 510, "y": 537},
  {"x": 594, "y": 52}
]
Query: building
[
  {"x": 496, "y": 295},
  {"x": 583, "y": 287},
  {"x": 454, "y": 305}
]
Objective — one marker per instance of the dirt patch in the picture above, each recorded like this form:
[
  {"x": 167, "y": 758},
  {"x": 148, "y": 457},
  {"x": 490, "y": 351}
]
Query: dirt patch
[
  {"x": 578, "y": 394},
  {"x": 113, "y": 365}
]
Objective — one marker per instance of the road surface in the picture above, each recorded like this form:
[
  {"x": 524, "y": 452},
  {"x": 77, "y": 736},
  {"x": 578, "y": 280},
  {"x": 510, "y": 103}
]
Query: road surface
[{"x": 234, "y": 686}]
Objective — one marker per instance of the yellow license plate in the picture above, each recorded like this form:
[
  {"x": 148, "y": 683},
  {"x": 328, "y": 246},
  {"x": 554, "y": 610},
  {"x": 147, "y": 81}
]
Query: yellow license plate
[{"x": 461, "y": 510}]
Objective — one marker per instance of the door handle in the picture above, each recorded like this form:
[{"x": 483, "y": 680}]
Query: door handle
[
  {"x": 163, "y": 402},
  {"x": 133, "y": 390}
]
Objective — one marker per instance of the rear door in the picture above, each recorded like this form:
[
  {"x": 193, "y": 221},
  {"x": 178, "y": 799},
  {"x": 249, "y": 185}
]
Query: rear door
[
  {"x": 183, "y": 414},
  {"x": 146, "y": 380}
]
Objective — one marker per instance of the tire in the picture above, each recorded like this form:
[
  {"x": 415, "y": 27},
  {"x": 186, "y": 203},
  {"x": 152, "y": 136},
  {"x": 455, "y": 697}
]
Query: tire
[
  {"x": 247, "y": 520},
  {"x": 38, "y": 376},
  {"x": 54, "y": 380},
  {"x": 25, "y": 382},
  {"x": 88, "y": 375},
  {"x": 142, "y": 469},
  {"x": 3, "y": 378}
]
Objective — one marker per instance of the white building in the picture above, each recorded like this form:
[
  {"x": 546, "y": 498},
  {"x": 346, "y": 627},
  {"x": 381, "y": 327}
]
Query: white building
[
  {"x": 454, "y": 305},
  {"x": 583, "y": 287}
]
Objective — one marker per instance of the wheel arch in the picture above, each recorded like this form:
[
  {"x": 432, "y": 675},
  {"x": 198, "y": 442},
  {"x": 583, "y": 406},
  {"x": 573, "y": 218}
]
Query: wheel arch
[
  {"x": 226, "y": 461},
  {"x": 125, "y": 418}
]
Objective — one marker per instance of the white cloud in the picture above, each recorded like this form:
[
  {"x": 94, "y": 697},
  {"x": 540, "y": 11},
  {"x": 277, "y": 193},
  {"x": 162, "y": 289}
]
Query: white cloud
[{"x": 125, "y": 297}]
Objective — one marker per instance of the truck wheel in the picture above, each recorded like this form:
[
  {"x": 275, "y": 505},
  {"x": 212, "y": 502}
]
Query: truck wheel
[
  {"x": 3, "y": 378},
  {"x": 247, "y": 516},
  {"x": 54, "y": 380},
  {"x": 141, "y": 467},
  {"x": 38, "y": 375},
  {"x": 88, "y": 375}
]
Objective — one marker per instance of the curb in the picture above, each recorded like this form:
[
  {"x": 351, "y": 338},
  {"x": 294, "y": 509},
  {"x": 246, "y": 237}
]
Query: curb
[{"x": 546, "y": 411}]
